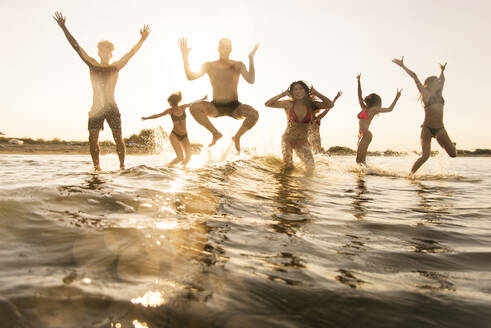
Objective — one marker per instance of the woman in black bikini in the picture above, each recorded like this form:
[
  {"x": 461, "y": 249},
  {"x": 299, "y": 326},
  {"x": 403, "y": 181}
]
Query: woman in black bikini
[
  {"x": 300, "y": 110},
  {"x": 431, "y": 96},
  {"x": 371, "y": 105},
  {"x": 178, "y": 137}
]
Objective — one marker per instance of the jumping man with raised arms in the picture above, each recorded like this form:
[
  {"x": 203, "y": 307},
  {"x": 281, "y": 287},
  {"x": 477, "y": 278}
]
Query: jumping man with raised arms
[
  {"x": 224, "y": 78},
  {"x": 103, "y": 77}
]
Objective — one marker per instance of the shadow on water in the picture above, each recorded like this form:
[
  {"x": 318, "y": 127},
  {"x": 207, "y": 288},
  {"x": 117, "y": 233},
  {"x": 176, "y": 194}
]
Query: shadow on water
[
  {"x": 435, "y": 205},
  {"x": 360, "y": 198},
  {"x": 435, "y": 202},
  {"x": 354, "y": 244},
  {"x": 289, "y": 201}
]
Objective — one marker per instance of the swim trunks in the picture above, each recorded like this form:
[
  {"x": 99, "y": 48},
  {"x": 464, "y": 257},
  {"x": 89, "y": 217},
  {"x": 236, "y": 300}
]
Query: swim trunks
[
  {"x": 226, "y": 109},
  {"x": 109, "y": 113}
]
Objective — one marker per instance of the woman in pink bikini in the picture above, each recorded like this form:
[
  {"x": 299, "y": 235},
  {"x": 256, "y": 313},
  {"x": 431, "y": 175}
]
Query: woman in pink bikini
[
  {"x": 179, "y": 136},
  {"x": 431, "y": 96},
  {"x": 370, "y": 106},
  {"x": 300, "y": 110}
]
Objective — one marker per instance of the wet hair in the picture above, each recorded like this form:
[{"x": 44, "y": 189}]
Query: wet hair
[
  {"x": 308, "y": 99},
  {"x": 429, "y": 81},
  {"x": 373, "y": 100},
  {"x": 427, "y": 84},
  {"x": 105, "y": 45},
  {"x": 175, "y": 98},
  {"x": 225, "y": 41}
]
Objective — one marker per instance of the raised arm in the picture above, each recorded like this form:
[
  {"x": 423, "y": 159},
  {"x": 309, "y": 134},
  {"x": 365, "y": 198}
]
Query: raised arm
[
  {"x": 275, "y": 102},
  {"x": 326, "y": 102},
  {"x": 60, "y": 19},
  {"x": 144, "y": 32},
  {"x": 360, "y": 96},
  {"x": 321, "y": 115},
  {"x": 184, "y": 106},
  {"x": 249, "y": 76},
  {"x": 167, "y": 111},
  {"x": 185, "y": 54},
  {"x": 442, "y": 76},
  {"x": 413, "y": 75},
  {"x": 391, "y": 107}
]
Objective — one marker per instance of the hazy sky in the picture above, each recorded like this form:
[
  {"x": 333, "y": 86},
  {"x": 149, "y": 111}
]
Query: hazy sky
[{"x": 46, "y": 92}]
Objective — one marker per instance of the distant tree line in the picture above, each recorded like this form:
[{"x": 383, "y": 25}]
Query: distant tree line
[{"x": 149, "y": 139}]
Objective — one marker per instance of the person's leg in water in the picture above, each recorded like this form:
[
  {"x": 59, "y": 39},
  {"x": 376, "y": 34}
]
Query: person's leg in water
[
  {"x": 305, "y": 154},
  {"x": 94, "y": 148},
  {"x": 113, "y": 118},
  {"x": 315, "y": 137},
  {"x": 361, "y": 153},
  {"x": 447, "y": 144},
  {"x": 177, "y": 149},
  {"x": 425, "y": 149},
  {"x": 201, "y": 110},
  {"x": 120, "y": 148},
  {"x": 186, "y": 145},
  {"x": 251, "y": 116},
  {"x": 287, "y": 151}
]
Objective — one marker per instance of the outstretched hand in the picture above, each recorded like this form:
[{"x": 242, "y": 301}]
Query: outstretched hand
[
  {"x": 253, "y": 52},
  {"x": 398, "y": 93},
  {"x": 339, "y": 94},
  {"x": 59, "y": 18},
  {"x": 399, "y": 62},
  {"x": 145, "y": 31},
  {"x": 183, "y": 44},
  {"x": 358, "y": 77},
  {"x": 442, "y": 67}
]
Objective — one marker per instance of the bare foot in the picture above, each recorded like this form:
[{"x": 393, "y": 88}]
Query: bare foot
[
  {"x": 175, "y": 161},
  {"x": 97, "y": 168},
  {"x": 215, "y": 139},
  {"x": 121, "y": 167},
  {"x": 236, "y": 141}
]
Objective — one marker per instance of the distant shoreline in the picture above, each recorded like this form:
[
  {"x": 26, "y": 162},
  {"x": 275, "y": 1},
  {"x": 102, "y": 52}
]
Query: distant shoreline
[
  {"x": 29, "y": 149},
  {"x": 65, "y": 149}
]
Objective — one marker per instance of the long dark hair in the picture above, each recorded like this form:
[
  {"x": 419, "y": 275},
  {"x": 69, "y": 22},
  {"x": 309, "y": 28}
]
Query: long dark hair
[
  {"x": 308, "y": 100},
  {"x": 373, "y": 100}
]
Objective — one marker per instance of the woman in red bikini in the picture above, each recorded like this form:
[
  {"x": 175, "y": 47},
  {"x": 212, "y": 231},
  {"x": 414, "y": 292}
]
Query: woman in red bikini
[
  {"x": 300, "y": 113},
  {"x": 431, "y": 96},
  {"x": 370, "y": 106},
  {"x": 179, "y": 136}
]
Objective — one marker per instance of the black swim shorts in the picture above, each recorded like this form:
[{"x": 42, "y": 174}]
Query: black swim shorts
[
  {"x": 109, "y": 113},
  {"x": 226, "y": 109}
]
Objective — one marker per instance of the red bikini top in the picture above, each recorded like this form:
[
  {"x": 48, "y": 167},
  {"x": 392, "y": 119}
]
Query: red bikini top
[
  {"x": 362, "y": 115},
  {"x": 292, "y": 117}
]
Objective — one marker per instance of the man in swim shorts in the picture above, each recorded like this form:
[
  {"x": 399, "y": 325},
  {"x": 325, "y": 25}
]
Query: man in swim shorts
[
  {"x": 224, "y": 76},
  {"x": 103, "y": 77}
]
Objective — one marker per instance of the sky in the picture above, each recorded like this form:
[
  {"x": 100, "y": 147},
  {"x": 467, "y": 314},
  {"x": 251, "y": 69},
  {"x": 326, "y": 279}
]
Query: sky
[{"x": 46, "y": 92}]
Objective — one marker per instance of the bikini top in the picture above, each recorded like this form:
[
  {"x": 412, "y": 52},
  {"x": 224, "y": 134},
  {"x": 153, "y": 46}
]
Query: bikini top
[
  {"x": 292, "y": 116},
  {"x": 362, "y": 115},
  {"x": 435, "y": 100},
  {"x": 178, "y": 118}
]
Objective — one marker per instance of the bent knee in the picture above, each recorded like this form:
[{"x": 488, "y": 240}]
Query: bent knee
[
  {"x": 196, "y": 108},
  {"x": 253, "y": 115}
]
